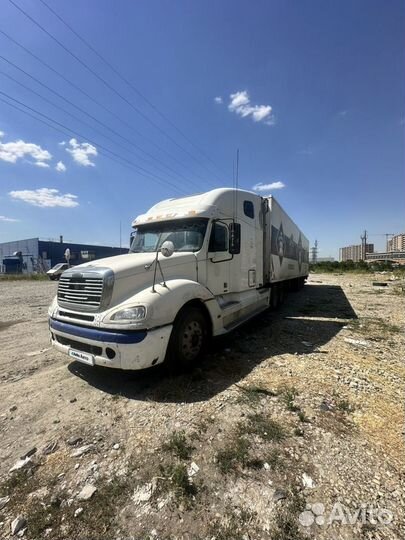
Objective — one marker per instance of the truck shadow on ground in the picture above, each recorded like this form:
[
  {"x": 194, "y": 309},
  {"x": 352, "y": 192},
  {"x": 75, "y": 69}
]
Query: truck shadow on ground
[{"x": 308, "y": 320}]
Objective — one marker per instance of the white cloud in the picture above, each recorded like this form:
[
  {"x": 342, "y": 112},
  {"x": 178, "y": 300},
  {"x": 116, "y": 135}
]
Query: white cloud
[
  {"x": 60, "y": 166},
  {"x": 261, "y": 112},
  {"x": 41, "y": 164},
  {"x": 218, "y": 100},
  {"x": 240, "y": 104},
  {"x": 45, "y": 197},
  {"x": 2, "y": 134},
  {"x": 81, "y": 152},
  {"x": 12, "y": 151},
  {"x": 8, "y": 219},
  {"x": 268, "y": 187},
  {"x": 238, "y": 100}
]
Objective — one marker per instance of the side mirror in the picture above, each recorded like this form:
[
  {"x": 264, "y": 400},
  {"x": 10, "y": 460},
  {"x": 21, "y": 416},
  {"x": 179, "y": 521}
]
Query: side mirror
[
  {"x": 234, "y": 238},
  {"x": 167, "y": 248}
]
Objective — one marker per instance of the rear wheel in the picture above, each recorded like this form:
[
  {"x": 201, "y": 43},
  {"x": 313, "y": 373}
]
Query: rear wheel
[
  {"x": 188, "y": 339},
  {"x": 296, "y": 284},
  {"x": 275, "y": 296}
]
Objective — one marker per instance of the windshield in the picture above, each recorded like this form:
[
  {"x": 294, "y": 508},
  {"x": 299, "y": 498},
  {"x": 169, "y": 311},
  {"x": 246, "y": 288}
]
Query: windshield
[{"x": 186, "y": 235}]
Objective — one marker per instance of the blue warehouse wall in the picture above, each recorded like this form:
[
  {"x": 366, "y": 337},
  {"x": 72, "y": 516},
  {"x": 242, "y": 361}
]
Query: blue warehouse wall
[
  {"x": 29, "y": 252},
  {"x": 55, "y": 252}
]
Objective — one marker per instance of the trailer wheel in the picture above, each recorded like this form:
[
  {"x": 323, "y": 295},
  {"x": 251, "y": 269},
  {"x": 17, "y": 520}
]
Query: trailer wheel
[
  {"x": 282, "y": 293},
  {"x": 296, "y": 284},
  {"x": 275, "y": 296},
  {"x": 188, "y": 339}
]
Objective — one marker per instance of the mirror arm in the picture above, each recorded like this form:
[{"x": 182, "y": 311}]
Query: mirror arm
[{"x": 157, "y": 264}]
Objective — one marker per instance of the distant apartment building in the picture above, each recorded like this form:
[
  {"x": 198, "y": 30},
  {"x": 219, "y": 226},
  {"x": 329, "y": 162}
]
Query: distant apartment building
[
  {"x": 354, "y": 253},
  {"x": 397, "y": 243}
]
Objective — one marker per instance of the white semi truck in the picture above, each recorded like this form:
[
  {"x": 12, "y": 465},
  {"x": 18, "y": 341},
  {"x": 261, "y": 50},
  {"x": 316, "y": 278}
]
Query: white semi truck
[{"x": 197, "y": 267}]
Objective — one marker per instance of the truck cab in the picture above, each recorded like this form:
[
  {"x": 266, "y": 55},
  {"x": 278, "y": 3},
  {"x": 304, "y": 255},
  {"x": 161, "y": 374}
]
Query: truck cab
[{"x": 196, "y": 268}]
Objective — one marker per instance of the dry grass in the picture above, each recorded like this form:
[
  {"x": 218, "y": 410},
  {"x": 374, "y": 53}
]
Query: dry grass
[
  {"x": 24, "y": 277},
  {"x": 263, "y": 426},
  {"x": 233, "y": 455},
  {"x": 178, "y": 446}
]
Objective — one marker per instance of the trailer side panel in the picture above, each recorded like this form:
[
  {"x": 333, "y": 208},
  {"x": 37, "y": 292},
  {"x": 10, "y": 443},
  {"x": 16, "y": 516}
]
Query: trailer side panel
[{"x": 286, "y": 254}]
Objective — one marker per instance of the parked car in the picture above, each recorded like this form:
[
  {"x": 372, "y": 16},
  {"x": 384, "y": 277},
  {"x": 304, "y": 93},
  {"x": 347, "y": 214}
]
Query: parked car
[{"x": 57, "y": 270}]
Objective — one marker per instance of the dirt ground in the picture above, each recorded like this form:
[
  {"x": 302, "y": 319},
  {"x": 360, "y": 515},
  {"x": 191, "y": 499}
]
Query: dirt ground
[{"x": 291, "y": 428}]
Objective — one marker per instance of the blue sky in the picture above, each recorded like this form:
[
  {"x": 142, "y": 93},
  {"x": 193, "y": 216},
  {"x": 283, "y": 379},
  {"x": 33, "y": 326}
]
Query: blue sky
[{"x": 312, "y": 93}]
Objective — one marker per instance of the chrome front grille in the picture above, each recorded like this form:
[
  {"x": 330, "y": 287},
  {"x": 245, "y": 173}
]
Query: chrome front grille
[
  {"x": 81, "y": 290},
  {"x": 86, "y": 290}
]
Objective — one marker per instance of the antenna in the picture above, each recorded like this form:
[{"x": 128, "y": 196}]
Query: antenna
[
  {"x": 237, "y": 168},
  {"x": 120, "y": 236},
  {"x": 236, "y": 182},
  {"x": 233, "y": 192}
]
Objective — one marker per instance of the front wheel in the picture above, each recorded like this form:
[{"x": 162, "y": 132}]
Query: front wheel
[{"x": 188, "y": 339}]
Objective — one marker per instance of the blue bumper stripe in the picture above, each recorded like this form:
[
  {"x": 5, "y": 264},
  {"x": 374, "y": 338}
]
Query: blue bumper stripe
[{"x": 135, "y": 336}]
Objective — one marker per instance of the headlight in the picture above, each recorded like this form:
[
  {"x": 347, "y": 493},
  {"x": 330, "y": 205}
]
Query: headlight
[{"x": 130, "y": 314}]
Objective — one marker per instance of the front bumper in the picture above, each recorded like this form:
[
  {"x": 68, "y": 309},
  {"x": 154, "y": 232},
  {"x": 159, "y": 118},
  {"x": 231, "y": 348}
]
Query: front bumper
[{"x": 138, "y": 349}]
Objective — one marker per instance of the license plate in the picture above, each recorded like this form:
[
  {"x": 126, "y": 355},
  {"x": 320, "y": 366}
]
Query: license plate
[{"x": 82, "y": 357}]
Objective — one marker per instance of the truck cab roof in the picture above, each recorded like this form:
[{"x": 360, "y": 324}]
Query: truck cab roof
[{"x": 211, "y": 204}]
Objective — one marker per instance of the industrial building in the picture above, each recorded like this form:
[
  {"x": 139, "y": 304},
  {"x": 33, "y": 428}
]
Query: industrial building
[
  {"x": 355, "y": 253},
  {"x": 397, "y": 243},
  {"x": 36, "y": 255},
  {"x": 396, "y": 257}
]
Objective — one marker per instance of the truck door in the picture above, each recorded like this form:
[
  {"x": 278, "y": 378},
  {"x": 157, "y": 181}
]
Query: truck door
[
  {"x": 247, "y": 267},
  {"x": 218, "y": 263}
]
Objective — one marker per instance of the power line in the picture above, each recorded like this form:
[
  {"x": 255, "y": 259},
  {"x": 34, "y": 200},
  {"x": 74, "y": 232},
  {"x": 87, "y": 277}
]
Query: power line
[
  {"x": 83, "y": 121},
  {"x": 66, "y": 128},
  {"x": 124, "y": 163},
  {"x": 117, "y": 117},
  {"x": 51, "y": 126},
  {"x": 101, "y": 79},
  {"x": 131, "y": 85},
  {"x": 93, "y": 118}
]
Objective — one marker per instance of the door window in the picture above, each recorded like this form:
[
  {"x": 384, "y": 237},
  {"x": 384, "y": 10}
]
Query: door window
[{"x": 219, "y": 238}]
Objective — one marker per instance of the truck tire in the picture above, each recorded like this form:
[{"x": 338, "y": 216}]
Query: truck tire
[
  {"x": 188, "y": 339},
  {"x": 282, "y": 293},
  {"x": 275, "y": 296},
  {"x": 296, "y": 284}
]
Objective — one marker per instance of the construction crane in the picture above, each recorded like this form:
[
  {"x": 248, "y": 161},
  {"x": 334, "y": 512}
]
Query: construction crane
[{"x": 387, "y": 235}]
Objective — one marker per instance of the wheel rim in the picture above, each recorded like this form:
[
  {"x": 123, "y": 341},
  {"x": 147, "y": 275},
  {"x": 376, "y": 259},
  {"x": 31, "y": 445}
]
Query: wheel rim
[{"x": 192, "y": 340}]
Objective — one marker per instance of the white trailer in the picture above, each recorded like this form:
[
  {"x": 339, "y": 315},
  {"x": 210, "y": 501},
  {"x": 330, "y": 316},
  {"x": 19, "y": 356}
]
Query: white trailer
[{"x": 197, "y": 267}]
